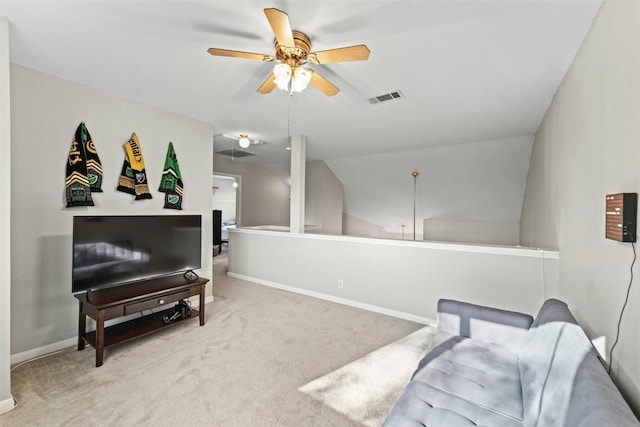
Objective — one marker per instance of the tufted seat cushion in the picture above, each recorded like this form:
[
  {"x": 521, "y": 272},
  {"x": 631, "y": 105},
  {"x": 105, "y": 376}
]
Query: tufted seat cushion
[
  {"x": 424, "y": 405},
  {"x": 469, "y": 368},
  {"x": 450, "y": 386}
]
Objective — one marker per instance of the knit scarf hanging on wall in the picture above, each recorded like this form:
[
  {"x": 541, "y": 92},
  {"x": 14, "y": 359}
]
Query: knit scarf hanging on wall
[
  {"x": 133, "y": 177},
  {"x": 84, "y": 170},
  {"x": 171, "y": 182}
]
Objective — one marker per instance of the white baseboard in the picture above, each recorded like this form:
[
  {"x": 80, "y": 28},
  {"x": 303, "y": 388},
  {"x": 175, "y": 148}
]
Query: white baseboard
[
  {"x": 344, "y": 301},
  {"x": 6, "y": 405},
  {"x": 57, "y": 346},
  {"x": 45, "y": 349}
]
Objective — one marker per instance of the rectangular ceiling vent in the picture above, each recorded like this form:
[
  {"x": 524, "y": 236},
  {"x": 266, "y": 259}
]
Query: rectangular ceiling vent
[
  {"x": 386, "y": 97},
  {"x": 235, "y": 152}
]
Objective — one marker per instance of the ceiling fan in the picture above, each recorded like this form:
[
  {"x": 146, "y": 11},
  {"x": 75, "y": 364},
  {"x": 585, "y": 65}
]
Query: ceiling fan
[{"x": 292, "y": 51}]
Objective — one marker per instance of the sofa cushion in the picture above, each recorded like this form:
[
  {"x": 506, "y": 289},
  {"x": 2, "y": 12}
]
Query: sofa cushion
[
  {"x": 421, "y": 404},
  {"x": 483, "y": 374}
]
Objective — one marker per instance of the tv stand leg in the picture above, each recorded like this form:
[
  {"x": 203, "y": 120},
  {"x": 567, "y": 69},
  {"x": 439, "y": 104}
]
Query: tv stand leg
[
  {"x": 99, "y": 338},
  {"x": 201, "y": 308},
  {"x": 82, "y": 325}
]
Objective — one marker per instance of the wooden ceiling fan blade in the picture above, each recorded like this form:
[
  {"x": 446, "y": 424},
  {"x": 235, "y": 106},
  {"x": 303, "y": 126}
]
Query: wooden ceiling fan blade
[
  {"x": 268, "y": 85},
  {"x": 281, "y": 27},
  {"x": 324, "y": 85},
  {"x": 341, "y": 54},
  {"x": 239, "y": 54}
]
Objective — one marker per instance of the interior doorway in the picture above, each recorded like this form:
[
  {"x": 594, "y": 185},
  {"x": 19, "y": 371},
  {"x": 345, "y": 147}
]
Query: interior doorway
[{"x": 226, "y": 206}]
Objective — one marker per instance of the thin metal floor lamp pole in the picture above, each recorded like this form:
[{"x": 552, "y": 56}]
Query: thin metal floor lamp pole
[{"x": 414, "y": 174}]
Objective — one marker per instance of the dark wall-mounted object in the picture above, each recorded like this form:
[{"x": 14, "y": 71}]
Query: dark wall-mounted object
[
  {"x": 217, "y": 227},
  {"x": 621, "y": 216}
]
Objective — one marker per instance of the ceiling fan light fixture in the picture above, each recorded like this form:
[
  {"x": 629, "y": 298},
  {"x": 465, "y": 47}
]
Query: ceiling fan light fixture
[
  {"x": 244, "y": 141},
  {"x": 293, "y": 80},
  {"x": 282, "y": 73},
  {"x": 300, "y": 80}
]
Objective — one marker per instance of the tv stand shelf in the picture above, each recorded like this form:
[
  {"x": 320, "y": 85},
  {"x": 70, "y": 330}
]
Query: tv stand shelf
[
  {"x": 123, "y": 300},
  {"x": 134, "y": 328}
]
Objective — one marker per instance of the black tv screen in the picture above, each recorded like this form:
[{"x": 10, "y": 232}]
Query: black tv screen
[{"x": 116, "y": 250}]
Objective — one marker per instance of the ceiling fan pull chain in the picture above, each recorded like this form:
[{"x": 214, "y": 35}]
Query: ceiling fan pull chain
[{"x": 289, "y": 118}]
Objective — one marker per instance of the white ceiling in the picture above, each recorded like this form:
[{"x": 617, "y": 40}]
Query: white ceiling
[{"x": 471, "y": 70}]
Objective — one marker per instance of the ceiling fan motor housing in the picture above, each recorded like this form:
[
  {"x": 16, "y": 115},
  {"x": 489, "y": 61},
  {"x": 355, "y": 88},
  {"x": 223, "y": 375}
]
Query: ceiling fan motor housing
[{"x": 296, "y": 55}]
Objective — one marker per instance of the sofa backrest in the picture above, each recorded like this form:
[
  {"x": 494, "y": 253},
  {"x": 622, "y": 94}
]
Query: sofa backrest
[
  {"x": 557, "y": 361},
  {"x": 553, "y": 310},
  {"x": 550, "y": 357},
  {"x": 487, "y": 324}
]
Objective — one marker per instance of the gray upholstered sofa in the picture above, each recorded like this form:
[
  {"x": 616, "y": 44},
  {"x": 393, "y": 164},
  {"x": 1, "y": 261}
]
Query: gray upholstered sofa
[{"x": 491, "y": 367}]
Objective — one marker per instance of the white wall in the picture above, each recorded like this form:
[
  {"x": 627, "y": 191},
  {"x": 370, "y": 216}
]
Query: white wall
[
  {"x": 353, "y": 226},
  {"x": 484, "y": 232},
  {"x": 588, "y": 146},
  {"x": 264, "y": 196},
  {"x": 6, "y": 401},
  {"x": 324, "y": 198},
  {"x": 404, "y": 278},
  {"x": 477, "y": 181},
  {"x": 45, "y": 112}
]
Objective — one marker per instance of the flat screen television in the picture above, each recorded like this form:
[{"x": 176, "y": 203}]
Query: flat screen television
[{"x": 117, "y": 250}]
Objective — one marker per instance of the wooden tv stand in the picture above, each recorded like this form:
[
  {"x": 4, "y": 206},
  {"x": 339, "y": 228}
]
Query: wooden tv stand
[{"x": 111, "y": 303}]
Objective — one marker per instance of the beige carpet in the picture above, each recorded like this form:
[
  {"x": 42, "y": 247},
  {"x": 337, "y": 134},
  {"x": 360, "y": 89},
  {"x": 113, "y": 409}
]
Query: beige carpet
[{"x": 265, "y": 357}]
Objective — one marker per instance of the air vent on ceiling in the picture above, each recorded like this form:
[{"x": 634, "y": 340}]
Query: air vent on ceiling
[
  {"x": 235, "y": 152},
  {"x": 386, "y": 97}
]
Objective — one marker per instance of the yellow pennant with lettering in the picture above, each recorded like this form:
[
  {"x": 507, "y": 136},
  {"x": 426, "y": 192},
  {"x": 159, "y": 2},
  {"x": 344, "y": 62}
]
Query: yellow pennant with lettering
[{"x": 133, "y": 171}]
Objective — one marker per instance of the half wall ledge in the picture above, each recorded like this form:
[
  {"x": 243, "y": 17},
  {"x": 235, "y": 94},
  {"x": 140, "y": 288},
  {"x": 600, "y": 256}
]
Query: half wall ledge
[{"x": 401, "y": 276}]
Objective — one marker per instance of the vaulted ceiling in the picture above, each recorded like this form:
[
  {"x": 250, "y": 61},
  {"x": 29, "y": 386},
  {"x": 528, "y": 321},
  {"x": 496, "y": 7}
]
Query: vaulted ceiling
[
  {"x": 477, "y": 77},
  {"x": 470, "y": 70}
]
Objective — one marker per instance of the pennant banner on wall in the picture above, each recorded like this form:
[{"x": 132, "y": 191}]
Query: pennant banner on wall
[
  {"x": 171, "y": 182},
  {"x": 84, "y": 170},
  {"x": 133, "y": 177}
]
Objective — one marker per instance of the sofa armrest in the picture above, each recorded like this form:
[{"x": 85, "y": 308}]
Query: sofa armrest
[{"x": 487, "y": 324}]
